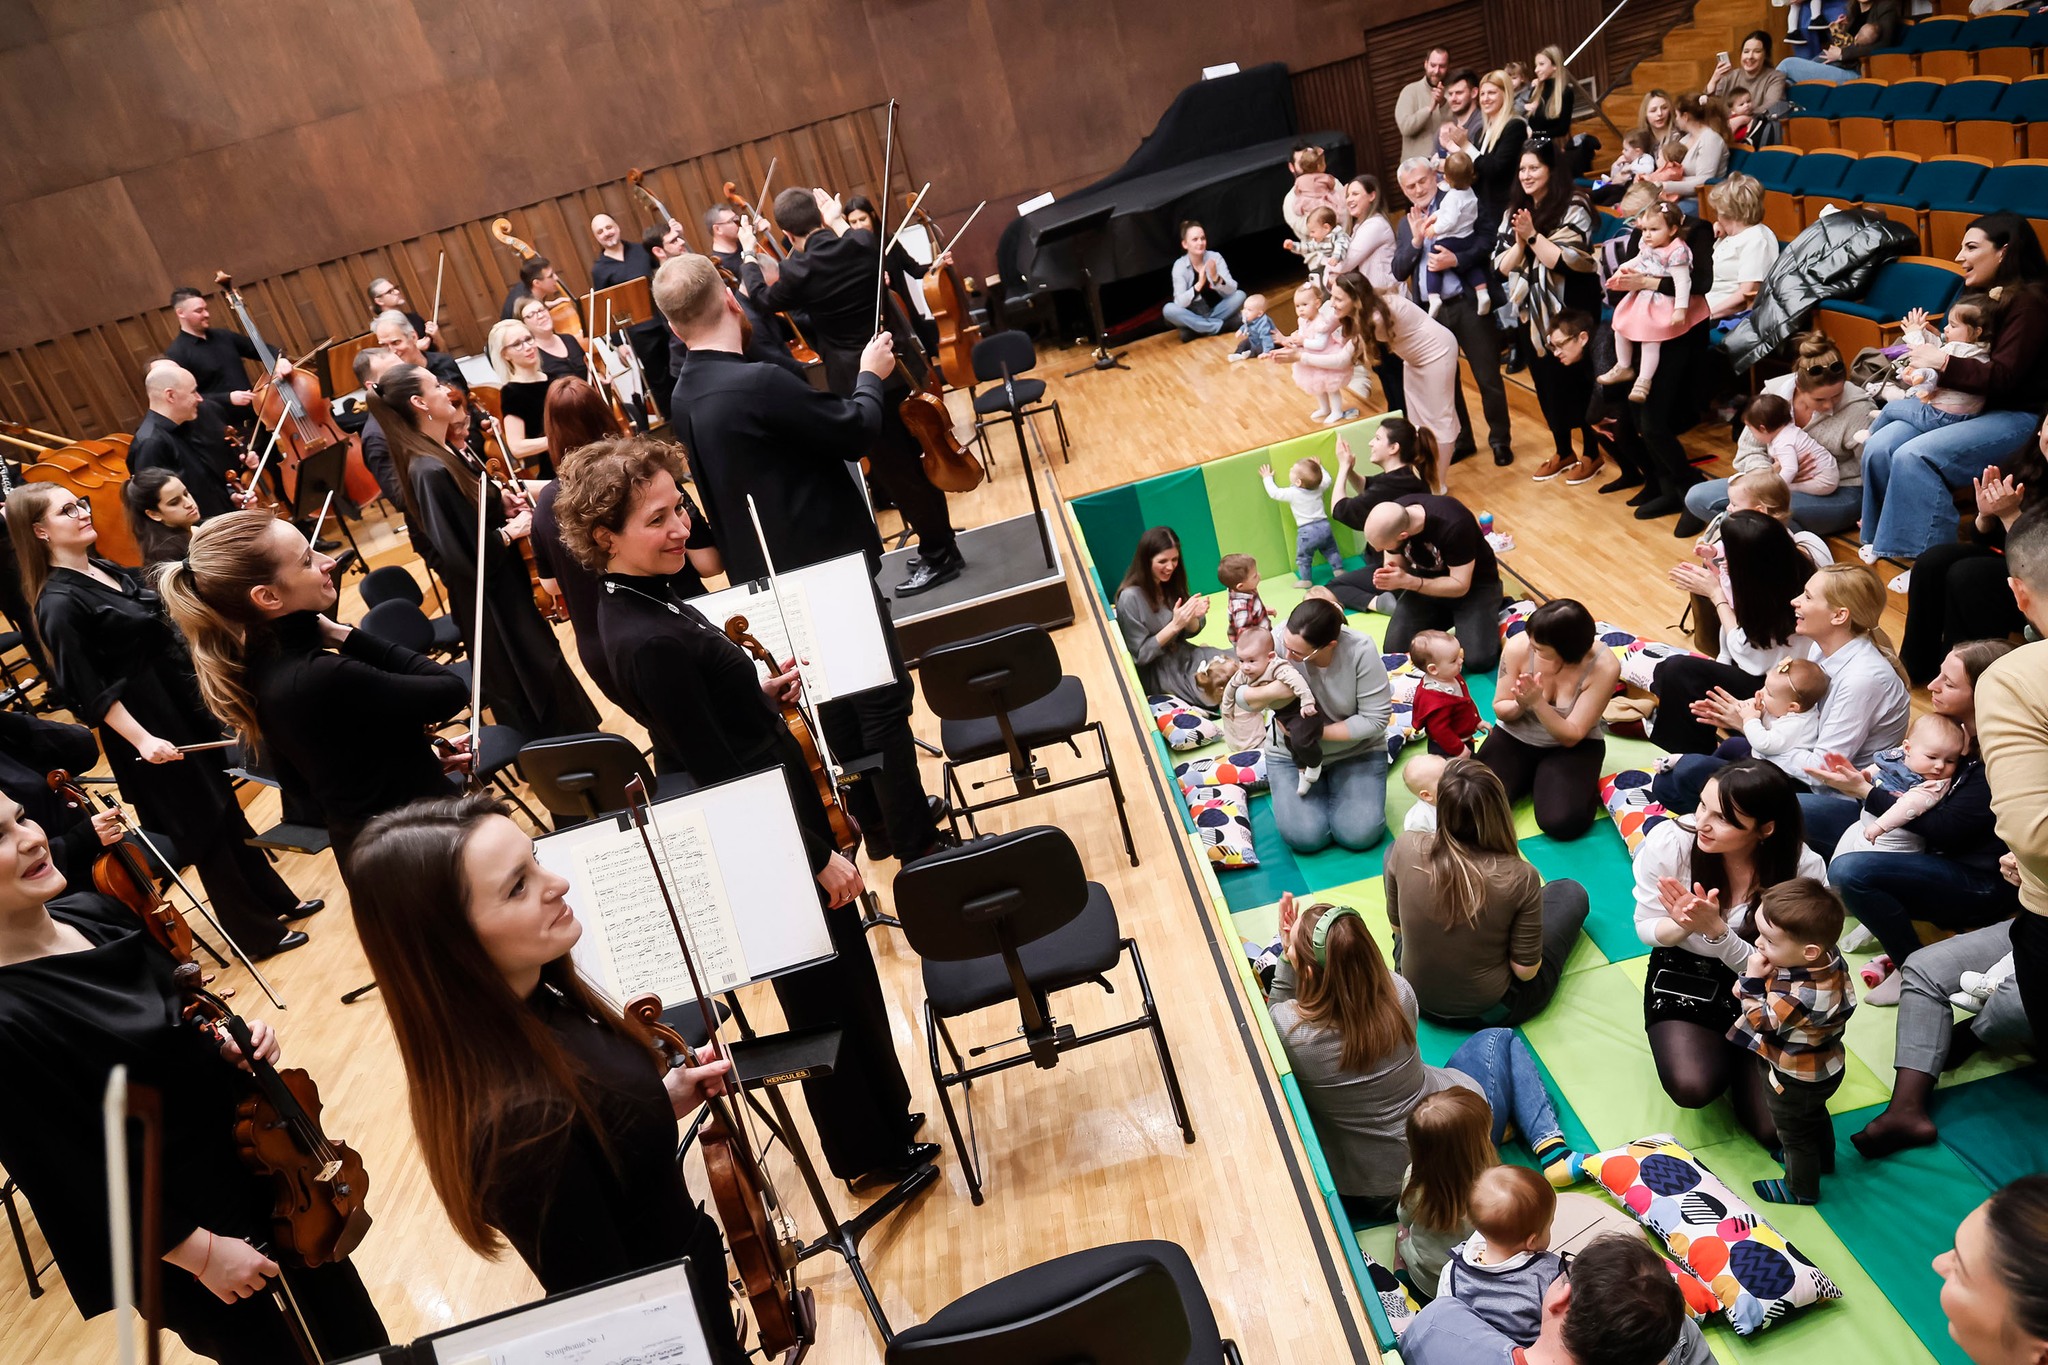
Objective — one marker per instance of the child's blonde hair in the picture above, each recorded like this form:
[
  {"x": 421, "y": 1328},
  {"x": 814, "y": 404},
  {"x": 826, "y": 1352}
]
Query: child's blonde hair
[
  {"x": 1420, "y": 775},
  {"x": 1768, "y": 490},
  {"x": 1450, "y": 1142},
  {"x": 1950, "y": 728},
  {"x": 1672, "y": 153},
  {"x": 1512, "y": 1205},
  {"x": 1307, "y": 473},
  {"x": 1322, "y": 215},
  {"x": 1432, "y": 646}
]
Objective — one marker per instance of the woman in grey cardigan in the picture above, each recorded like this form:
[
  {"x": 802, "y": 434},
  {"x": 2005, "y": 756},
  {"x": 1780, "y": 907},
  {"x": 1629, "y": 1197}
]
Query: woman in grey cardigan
[
  {"x": 1703, "y": 123},
  {"x": 1160, "y": 618}
]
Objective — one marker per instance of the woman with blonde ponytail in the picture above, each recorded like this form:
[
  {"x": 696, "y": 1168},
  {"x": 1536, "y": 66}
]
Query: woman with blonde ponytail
[
  {"x": 339, "y": 714},
  {"x": 128, "y": 675}
]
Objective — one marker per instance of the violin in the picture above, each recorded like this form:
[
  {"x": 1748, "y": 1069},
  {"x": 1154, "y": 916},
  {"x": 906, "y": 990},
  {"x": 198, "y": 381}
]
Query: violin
[
  {"x": 799, "y": 349},
  {"x": 317, "y": 1215},
  {"x": 762, "y": 1238},
  {"x": 845, "y": 833},
  {"x": 492, "y": 468},
  {"x": 297, "y": 409},
  {"x": 120, "y": 872},
  {"x": 562, "y": 308},
  {"x": 946, "y": 294}
]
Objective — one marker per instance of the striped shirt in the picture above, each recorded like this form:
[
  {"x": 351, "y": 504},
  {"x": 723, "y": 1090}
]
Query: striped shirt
[{"x": 1794, "y": 1017}]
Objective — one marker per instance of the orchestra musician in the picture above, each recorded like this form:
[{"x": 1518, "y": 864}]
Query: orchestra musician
[
  {"x": 161, "y": 513},
  {"x": 544, "y": 1119},
  {"x": 83, "y": 989},
  {"x": 370, "y": 363},
  {"x": 722, "y": 222},
  {"x": 397, "y": 333},
  {"x": 128, "y": 676},
  {"x": 182, "y": 434},
  {"x": 387, "y": 297},
  {"x": 522, "y": 393},
  {"x": 831, "y": 277},
  {"x": 709, "y": 714},
  {"x": 618, "y": 261},
  {"x": 214, "y": 356},
  {"x": 904, "y": 270},
  {"x": 339, "y": 714},
  {"x": 560, "y": 356},
  {"x": 526, "y": 682},
  {"x": 537, "y": 280},
  {"x": 751, "y": 430},
  {"x": 30, "y": 749}
]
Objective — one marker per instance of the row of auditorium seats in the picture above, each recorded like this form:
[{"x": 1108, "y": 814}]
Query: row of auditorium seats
[
  {"x": 1936, "y": 197},
  {"x": 2007, "y": 43},
  {"x": 1993, "y": 117}
]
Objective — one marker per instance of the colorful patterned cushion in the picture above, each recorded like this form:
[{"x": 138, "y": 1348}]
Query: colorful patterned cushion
[
  {"x": 1757, "y": 1275},
  {"x": 1246, "y": 768},
  {"x": 1223, "y": 824},
  {"x": 1627, "y": 798},
  {"x": 1639, "y": 661},
  {"x": 1181, "y": 725}
]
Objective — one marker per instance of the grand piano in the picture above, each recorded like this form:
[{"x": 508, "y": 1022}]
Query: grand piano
[{"x": 1219, "y": 155}]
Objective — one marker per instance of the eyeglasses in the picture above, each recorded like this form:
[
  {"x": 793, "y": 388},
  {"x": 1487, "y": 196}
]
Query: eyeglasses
[
  {"x": 523, "y": 341},
  {"x": 77, "y": 511}
]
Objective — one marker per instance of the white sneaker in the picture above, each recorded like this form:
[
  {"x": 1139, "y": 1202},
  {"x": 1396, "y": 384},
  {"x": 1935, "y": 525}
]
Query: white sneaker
[
  {"x": 1436, "y": 305},
  {"x": 1856, "y": 940},
  {"x": 1903, "y": 583},
  {"x": 1966, "y": 1002},
  {"x": 1976, "y": 985},
  {"x": 1867, "y": 553},
  {"x": 1306, "y": 780},
  {"x": 1240, "y": 355}
]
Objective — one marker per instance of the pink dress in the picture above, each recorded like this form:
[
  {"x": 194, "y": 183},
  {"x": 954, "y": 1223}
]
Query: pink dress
[
  {"x": 1645, "y": 315},
  {"x": 1429, "y": 362},
  {"x": 1320, "y": 342}
]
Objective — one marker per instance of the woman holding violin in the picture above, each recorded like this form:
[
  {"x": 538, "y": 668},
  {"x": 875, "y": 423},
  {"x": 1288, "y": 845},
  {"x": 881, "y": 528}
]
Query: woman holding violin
[
  {"x": 903, "y": 268},
  {"x": 83, "y": 989},
  {"x": 341, "y": 715},
  {"x": 128, "y": 675},
  {"x": 711, "y": 715},
  {"x": 526, "y": 682},
  {"x": 522, "y": 394},
  {"x": 30, "y": 749}
]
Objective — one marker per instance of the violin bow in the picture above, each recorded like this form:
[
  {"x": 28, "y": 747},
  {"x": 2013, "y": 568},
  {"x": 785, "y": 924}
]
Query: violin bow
[
  {"x": 766, "y": 180},
  {"x": 256, "y": 477},
  {"x": 802, "y": 667},
  {"x": 909, "y": 214},
  {"x": 964, "y": 226},
  {"x": 322, "y": 519},
  {"x": 440, "y": 267},
  {"x": 882, "y": 213},
  {"x": 476, "y": 671}
]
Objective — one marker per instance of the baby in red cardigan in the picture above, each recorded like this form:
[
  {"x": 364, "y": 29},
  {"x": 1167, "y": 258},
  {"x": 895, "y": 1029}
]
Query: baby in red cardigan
[{"x": 1444, "y": 710}]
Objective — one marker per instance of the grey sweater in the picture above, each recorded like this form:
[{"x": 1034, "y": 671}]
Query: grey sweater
[{"x": 1351, "y": 688}]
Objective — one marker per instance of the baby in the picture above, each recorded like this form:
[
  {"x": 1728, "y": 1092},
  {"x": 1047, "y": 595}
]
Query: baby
[
  {"x": 1313, "y": 183},
  {"x": 1421, "y": 774},
  {"x": 1444, "y": 710},
  {"x": 1638, "y": 157},
  {"x": 1741, "y": 114},
  {"x": 1784, "y": 717},
  {"x": 1934, "y": 755},
  {"x": 1670, "y": 163},
  {"x": 1304, "y": 497},
  {"x": 1451, "y": 226},
  {"x": 1239, "y": 575},
  {"x": 1255, "y": 336},
  {"x": 1503, "y": 1270},
  {"x": 1924, "y": 404},
  {"x": 1326, "y": 244},
  {"x": 1258, "y": 662},
  {"x": 1803, "y": 463}
]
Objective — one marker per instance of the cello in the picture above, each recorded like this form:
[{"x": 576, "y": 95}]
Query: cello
[
  {"x": 845, "y": 832},
  {"x": 297, "y": 410},
  {"x": 945, "y": 294},
  {"x": 562, "y": 308}
]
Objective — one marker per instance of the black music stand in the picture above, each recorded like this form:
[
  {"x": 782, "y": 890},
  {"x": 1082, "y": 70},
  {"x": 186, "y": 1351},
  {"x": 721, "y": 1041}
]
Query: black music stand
[
  {"x": 320, "y": 474},
  {"x": 1085, "y": 232}
]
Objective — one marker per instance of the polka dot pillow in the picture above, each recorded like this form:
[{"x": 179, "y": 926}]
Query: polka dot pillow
[
  {"x": 1246, "y": 769},
  {"x": 1757, "y": 1275},
  {"x": 1181, "y": 726},
  {"x": 1223, "y": 825},
  {"x": 1627, "y": 797}
]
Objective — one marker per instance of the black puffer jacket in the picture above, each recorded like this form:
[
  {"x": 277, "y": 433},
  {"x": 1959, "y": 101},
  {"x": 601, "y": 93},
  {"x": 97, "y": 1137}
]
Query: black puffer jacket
[{"x": 1833, "y": 259}]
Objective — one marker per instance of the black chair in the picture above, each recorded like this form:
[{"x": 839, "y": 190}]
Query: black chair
[
  {"x": 9, "y": 1191},
  {"x": 584, "y": 777},
  {"x": 1014, "y": 917},
  {"x": 403, "y": 623},
  {"x": 1000, "y": 360},
  {"x": 1130, "y": 1303},
  {"x": 1004, "y": 693},
  {"x": 393, "y": 583}
]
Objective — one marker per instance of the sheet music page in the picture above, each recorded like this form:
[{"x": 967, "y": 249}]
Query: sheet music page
[
  {"x": 641, "y": 943},
  {"x": 662, "y": 1331},
  {"x": 803, "y": 639}
]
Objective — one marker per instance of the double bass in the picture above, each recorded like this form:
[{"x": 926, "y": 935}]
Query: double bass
[
  {"x": 562, "y": 308},
  {"x": 946, "y": 295}
]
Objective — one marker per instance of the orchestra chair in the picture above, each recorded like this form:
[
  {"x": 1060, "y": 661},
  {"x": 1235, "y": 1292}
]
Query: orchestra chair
[
  {"x": 1129, "y": 1303},
  {"x": 1013, "y": 917},
  {"x": 580, "y": 778},
  {"x": 287, "y": 835},
  {"x": 10, "y": 1190},
  {"x": 999, "y": 360},
  {"x": 16, "y": 688},
  {"x": 394, "y": 582},
  {"x": 1005, "y": 693}
]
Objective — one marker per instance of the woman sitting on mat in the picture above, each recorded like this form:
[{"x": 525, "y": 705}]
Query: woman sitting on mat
[
  {"x": 1477, "y": 933},
  {"x": 1991, "y": 1285},
  {"x": 1348, "y": 1026},
  {"x": 1160, "y": 618},
  {"x": 1348, "y": 804},
  {"x": 1555, "y": 679},
  {"x": 1697, "y": 884}
]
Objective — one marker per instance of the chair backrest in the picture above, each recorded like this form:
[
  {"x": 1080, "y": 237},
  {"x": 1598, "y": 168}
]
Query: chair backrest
[
  {"x": 1881, "y": 173},
  {"x": 1012, "y": 348},
  {"x": 1811, "y": 97},
  {"x": 1772, "y": 166},
  {"x": 1856, "y": 97},
  {"x": 1978, "y": 97},
  {"x": 992, "y": 896},
  {"x": 582, "y": 777},
  {"x": 2020, "y": 186},
  {"x": 1906, "y": 97},
  {"x": 392, "y": 583},
  {"x": 1914, "y": 282},
  {"x": 1132, "y": 1314},
  {"x": 1823, "y": 171},
  {"x": 2033, "y": 30},
  {"x": 1990, "y": 30},
  {"x": 990, "y": 675},
  {"x": 1935, "y": 31},
  {"x": 1947, "y": 179},
  {"x": 400, "y": 622},
  {"x": 2027, "y": 99}
]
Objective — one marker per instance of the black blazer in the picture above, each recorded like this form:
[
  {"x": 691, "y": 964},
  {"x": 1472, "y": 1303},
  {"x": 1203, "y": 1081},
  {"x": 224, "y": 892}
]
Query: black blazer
[{"x": 196, "y": 452}]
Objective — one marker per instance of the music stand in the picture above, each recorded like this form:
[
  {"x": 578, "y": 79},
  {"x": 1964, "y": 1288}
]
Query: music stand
[
  {"x": 1085, "y": 232},
  {"x": 320, "y": 474}
]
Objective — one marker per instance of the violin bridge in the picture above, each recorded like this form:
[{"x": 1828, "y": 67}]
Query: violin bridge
[{"x": 330, "y": 1172}]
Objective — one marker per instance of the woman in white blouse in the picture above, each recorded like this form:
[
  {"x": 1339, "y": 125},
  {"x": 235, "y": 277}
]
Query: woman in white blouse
[
  {"x": 1697, "y": 884},
  {"x": 1703, "y": 123}
]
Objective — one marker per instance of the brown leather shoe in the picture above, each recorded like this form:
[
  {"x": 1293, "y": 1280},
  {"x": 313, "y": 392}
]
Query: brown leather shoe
[
  {"x": 1548, "y": 470},
  {"x": 1581, "y": 470}
]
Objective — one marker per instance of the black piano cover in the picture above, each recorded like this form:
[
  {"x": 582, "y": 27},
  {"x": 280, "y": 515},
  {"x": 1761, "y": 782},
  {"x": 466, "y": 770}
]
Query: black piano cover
[{"x": 1218, "y": 155}]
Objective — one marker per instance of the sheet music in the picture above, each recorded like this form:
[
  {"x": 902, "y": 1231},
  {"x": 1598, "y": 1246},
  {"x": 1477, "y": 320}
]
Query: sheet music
[
  {"x": 832, "y": 624},
  {"x": 662, "y": 1331},
  {"x": 641, "y": 943}
]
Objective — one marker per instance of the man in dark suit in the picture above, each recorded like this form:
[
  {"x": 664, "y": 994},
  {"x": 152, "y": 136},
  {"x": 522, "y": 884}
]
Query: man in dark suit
[
  {"x": 180, "y": 433},
  {"x": 754, "y": 429},
  {"x": 830, "y": 277}
]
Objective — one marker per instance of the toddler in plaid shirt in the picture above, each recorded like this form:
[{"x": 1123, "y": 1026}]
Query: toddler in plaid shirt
[
  {"x": 1239, "y": 574},
  {"x": 1796, "y": 997}
]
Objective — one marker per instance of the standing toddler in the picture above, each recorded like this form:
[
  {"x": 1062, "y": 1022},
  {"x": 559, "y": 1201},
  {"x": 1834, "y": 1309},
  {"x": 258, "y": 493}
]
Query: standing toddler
[
  {"x": 1239, "y": 575},
  {"x": 1304, "y": 497}
]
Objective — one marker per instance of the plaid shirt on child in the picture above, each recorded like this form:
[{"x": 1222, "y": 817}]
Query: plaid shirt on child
[
  {"x": 1794, "y": 1017},
  {"x": 1247, "y": 611}
]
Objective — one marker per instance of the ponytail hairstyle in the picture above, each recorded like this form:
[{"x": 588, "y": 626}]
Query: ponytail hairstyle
[
  {"x": 1450, "y": 1145},
  {"x": 1854, "y": 589},
  {"x": 207, "y": 595},
  {"x": 1473, "y": 819},
  {"x": 26, "y": 506},
  {"x": 391, "y": 404},
  {"x": 141, "y": 496},
  {"x": 1416, "y": 446},
  {"x": 1370, "y": 317}
]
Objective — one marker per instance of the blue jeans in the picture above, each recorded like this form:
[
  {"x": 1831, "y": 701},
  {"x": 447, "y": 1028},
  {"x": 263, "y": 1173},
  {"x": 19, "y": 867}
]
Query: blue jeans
[
  {"x": 1806, "y": 69},
  {"x": 1507, "y": 1076},
  {"x": 1908, "y": 474},
  {"x": 1312, "y": 539},
  {"x": 1348, "y": 804},
  {"x": 1207, "y": 321},
  {"x": 1916, "y": 413},
  {"x": 1888, "y": 891},
  {"x": 1821, "y": 513}
]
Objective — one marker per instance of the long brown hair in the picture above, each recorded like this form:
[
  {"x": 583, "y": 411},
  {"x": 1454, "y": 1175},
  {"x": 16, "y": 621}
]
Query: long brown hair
[
  {"x": 141, "y": 496},
  {"x": 1369, "y": 320},
  {"x": 575, "y": 415},
  {"x": 1156, "y": 541},
  {"x": 474, "y": 1054},
  {"x": 1473, "y": 820},
  {"x": 1350, "y": 991},
  {"x": 1450, "y": 1145},
  {"x": 391, "y": 404},
  {"x": 26, "y": 506},
  {"x": 207, "y": 595}
]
